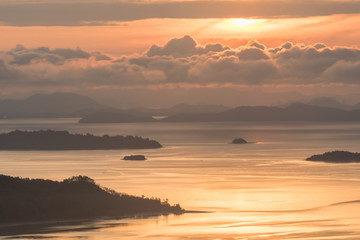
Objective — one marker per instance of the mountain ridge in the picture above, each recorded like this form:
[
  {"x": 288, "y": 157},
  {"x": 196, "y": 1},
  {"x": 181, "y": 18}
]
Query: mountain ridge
[{"x": 60, "y": 104}]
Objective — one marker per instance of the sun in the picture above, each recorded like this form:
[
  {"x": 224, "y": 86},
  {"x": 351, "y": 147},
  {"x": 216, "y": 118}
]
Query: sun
[{"x": 240, "y": 23}]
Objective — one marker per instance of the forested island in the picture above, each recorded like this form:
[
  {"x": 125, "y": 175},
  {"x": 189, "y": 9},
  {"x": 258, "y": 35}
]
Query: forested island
[
  {"x": 63, "y": 140},
  {"x": 29, "y": 200},
  {"x": 135, "y": 158},
  {"x": 336, "y": 157},
  {"x": 239, "y": 141}
]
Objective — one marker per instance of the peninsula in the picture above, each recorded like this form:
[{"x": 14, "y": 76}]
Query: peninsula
[
  {"x": 32, "y": 200},
  {"x": 63, "y": 140}
]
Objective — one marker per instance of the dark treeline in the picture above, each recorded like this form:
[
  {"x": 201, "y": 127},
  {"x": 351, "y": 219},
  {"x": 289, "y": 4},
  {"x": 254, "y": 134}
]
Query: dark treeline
[
  {"x": 336, "y": 157},
  {"x": 63, "y": 140},
  {"x": 27, "y": 200},
  {"x": 135, "y": 157}
]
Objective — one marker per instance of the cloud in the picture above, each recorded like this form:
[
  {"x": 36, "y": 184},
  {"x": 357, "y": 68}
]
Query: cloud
[
  {"x": 347, "y": 72},
  {"x": 75, "y": 13},
  {"x": 183, "y": 62},
  {"x": 183, "y": 47},
  {"x": 6, "y": 74},
  {"x": 23, "y": 56},
  {"x": 251, "y": 54}
]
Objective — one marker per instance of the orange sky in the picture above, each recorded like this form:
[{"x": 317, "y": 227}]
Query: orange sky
[
  {"x": 124, "y": 31},
  {"x": 137, "y": 36}
]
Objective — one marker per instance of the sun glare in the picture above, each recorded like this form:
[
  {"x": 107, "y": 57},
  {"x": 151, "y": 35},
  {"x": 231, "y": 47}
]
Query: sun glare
[{"x": 240, "y": 23}]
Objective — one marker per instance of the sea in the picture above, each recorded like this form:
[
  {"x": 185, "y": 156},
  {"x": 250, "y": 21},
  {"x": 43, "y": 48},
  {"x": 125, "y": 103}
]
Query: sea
[{"x": 257, "y": 191}]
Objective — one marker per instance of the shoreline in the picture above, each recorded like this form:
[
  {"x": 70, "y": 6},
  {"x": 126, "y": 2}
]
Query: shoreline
[
  {"x": 70, "y": 222},
  {"x": 65, "y": 221}
]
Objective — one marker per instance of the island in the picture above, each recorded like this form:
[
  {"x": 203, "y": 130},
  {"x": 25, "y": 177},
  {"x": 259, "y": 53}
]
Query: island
[
  {"x": 63, "y": 140},
  {"x": 135, "y": 158},
  {"x": 32, "y": 200},
  {"x": 336, "y": 157},
  {"x": 239, "y": 141}
]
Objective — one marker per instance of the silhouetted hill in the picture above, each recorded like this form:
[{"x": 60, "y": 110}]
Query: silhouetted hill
[
  {"x": 135, "y": 158},
  {"x": 49, "y": 105},
  {"x": 336, "y": 157},
  {"x": 332, "y": 103},
  {"x": 146, "y": 114},
  {"x": 329, "y": 102},
  {"x": 63, "y": 140},
  {"x": 294, "y": 112},
  {"x": 187, "y": 108},
  {"x": 117, "y": 116},
  {"x": 239, "y": 141},
  {"x": 27, "y": 200}
]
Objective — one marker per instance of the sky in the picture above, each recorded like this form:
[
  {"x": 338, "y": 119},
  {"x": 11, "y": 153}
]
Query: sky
[{"x": 159, "y": 53}]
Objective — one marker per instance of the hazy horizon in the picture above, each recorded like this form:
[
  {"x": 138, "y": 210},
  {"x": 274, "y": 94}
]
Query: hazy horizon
[
  {"x": 185, "y": 71},
  {"x": 126, "y": 103}
]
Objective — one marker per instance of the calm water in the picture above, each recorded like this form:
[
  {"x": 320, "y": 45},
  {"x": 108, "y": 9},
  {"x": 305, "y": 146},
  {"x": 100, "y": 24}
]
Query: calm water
[{"x": 263, "y": 190}]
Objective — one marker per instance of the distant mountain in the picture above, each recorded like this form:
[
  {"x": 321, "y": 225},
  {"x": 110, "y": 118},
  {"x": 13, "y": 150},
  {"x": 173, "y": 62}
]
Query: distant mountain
[
  {"x": 49, "y": 105},
  {"x": 332, "y": 103},
  {"x": 327, "y": 102},
  {"x": 185, "y": 108},
  {"x": 146, "y": 114},
  {"x": 294, "y": 112},
  {"x": 117, "y": 116}
]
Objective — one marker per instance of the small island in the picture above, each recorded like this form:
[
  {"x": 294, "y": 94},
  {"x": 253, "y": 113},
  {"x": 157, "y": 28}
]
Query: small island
[
  {"x": 32, "y": 200},
  {"x": 63, "y": 140},
  {"x": 336, "y": 157},
  {"x": 239, "y": 141},
  {"x": 135, "y": 158}
]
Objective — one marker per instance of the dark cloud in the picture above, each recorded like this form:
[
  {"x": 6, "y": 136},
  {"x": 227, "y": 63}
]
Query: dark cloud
[
  {"x": 73, "y": 13},
  {"x": 256, "y": 44},
  {"x": 319, "y": 46},
  {"x": 343, "y": 71},
  {"x": 24, "y": 56},
  {"x": 183, "y": 61},
  {"x": 6, "y": 74},
  {"x": 183, "y": 47},
  {"x": 249, "y": 54},
  {"x": 232, "y": 70}
]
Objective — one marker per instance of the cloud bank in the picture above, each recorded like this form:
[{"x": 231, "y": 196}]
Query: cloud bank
[
  {"x": 75, "y": 13},
  {"x": 182, "y": 62}
]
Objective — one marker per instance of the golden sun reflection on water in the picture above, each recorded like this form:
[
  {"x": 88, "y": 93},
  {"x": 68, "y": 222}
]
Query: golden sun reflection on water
[{"x": 254, "y": 191}]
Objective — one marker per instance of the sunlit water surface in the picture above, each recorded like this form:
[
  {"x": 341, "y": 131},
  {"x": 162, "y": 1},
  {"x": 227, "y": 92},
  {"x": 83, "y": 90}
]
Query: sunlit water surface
[{"x": 262, "y": 190}]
